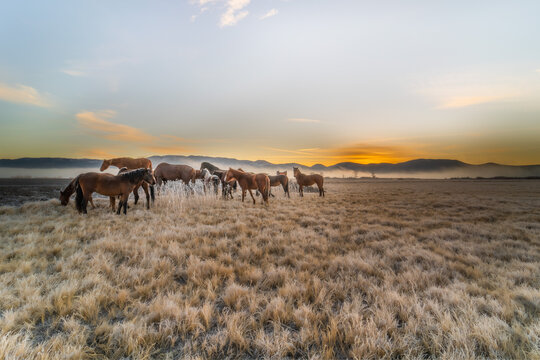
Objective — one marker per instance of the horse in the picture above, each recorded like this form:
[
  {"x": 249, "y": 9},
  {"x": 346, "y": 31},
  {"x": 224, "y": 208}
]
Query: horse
[
  {"x": 132, "y": 164},
  {"x": 226, "y": 187},
  {"x": 142, "y": 183},
  {"x": 280, "y": 179},
  {"x": 167, "y": 172},
  {"x": 69, "y": 190},
  {"x": 110, "y": 185},
  {"x": 250, "y": 182},
  {"x": 209, "y": 167},
  {"x": 308, "y": 180},
  {"x": 208, "y": 179}
]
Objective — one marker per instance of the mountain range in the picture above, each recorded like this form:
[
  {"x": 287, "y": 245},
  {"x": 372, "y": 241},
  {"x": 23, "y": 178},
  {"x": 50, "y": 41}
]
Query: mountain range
[{"x": 412, "y": 168}]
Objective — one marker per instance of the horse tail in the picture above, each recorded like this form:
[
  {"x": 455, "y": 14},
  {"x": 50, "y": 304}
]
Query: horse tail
[
  {"x": 79, "y": 197},
  {"x": 267, "y": 190},
  {"x": 287, "y": 186},
  {"x": 152, "y": 193}
]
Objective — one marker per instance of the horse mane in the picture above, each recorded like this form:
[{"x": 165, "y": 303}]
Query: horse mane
[
  {"x": 70, "y": 188},
  {"x": 133, "y": 175}
]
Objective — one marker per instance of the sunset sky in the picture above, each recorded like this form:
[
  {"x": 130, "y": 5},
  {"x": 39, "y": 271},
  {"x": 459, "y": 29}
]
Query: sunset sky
[{"x": 303, "y": 81}]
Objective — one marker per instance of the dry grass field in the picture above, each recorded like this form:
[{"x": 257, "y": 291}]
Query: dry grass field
[{"x": 376, "y": 269}]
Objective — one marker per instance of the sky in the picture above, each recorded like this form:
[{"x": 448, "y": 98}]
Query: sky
[{"x": 285, "y": 81}]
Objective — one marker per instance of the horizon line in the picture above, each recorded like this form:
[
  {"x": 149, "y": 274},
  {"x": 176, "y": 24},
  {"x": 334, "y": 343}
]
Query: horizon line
[{"x": 307, "y": 166}]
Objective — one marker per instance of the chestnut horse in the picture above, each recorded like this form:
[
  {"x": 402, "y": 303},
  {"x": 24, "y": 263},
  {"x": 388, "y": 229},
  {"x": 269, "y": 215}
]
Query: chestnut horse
[
  {"x": 250, "y": 182},
  {"x": 308, "y": 180},
  {"x": 166, "y": 172},
  {"x": 132, "y": 164},
  {"x": 109, "y": 185}
]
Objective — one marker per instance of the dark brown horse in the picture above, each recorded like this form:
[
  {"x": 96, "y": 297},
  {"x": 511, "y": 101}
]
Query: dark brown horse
[
  {"x": 69, "y": 190},
  {"x": 308, "y": 180},
  {"x": 250, "y": 182},
  {"x": 132, "y": 164},
  {"x": 167, "y": 172},
  {"x": 109, "y": 185}
]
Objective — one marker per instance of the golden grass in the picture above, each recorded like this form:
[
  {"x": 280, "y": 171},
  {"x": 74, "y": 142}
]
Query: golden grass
[{"x": 376, "y": 269}]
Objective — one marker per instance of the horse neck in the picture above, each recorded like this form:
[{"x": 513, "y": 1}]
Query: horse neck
[
  {"x": 70, "y": 188},
  {"x": 118, "y": 163}
]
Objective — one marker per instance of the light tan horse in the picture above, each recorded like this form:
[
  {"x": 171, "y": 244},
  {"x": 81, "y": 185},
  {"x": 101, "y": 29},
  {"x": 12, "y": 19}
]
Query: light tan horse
[
  {"x": 167, "y": 172},
  {"x": 250, "y": 182},
  {"x": 109, "y": 185},
  {"x": 308, "y": 180},
  {"x": 132, "y": 164}
]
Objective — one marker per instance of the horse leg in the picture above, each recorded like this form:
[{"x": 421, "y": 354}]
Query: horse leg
[
  {"x": 136, "y": 194},
  {"x": 243, "y": 194},
  {"x": 112, "y": 200},
  {"x": 91, "y": 201},
  {"x": 250, "y": 193},
  {"x": 85, "y": 203},
  {"x": 301, "y": 190},
  {"x": 145, "y": 188}
]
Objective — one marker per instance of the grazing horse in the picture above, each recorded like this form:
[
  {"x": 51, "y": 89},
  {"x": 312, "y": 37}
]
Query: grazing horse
[
  {"x": 132, "y": 164},
  {"x": 166, "y": 172},
  {"x": 250, "y": 182},
  {"x": 69, "y": 190},
  {"x": 110, "y": 185},
  {"x": 308, "y": 180}
]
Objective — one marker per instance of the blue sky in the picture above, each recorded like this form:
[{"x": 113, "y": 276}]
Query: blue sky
[{"x": 306, "y": 81}]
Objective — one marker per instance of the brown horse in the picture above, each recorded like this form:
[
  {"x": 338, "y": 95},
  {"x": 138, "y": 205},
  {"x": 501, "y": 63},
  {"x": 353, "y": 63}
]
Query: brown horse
[
  {"x": 308, "y": 180},
  {"x": 109, "y": 185},
  {"x": 250, "y": 182},
  {"x": 166, "y": 172},
  {"x": 280, "y": 179},
  {"x": 69, "y": 190},
  {"x": 132, "y": 164}
]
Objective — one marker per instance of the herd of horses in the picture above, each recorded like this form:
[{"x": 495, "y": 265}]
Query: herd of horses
[{"x": 136, "y": 173}]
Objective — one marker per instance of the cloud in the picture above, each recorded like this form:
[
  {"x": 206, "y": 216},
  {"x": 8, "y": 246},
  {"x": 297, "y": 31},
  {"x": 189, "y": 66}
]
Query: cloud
[
  {"x": 97, "y": 123},
  {"x": 303, "y": 120},
  {"x": 464, "y": 101},
  {"x": 22, "y": 94},
  {"x": 270, "y": 13},
  {"x": 76, "y": 73},
  {"x": 233, "y": 14}
]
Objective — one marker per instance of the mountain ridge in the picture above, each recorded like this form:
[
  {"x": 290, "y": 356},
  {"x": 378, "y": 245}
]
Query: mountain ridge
[{"x": 415, "y": 166}]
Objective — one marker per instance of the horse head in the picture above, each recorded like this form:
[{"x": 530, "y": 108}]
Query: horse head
[
  {"x": 149, "y": 177},
  {"x": 296, "y": 171},
  {"x": 229, "y": 175},
  {"x": 105, "y": 165},
  {"x": 64, "y": 198}
]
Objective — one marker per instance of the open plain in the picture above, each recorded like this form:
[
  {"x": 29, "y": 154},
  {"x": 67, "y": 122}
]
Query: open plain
[{"x": 376, "y": 269}]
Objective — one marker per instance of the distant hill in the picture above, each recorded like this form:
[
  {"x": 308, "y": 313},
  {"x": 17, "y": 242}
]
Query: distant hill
[{"x": 413, "y": 168}]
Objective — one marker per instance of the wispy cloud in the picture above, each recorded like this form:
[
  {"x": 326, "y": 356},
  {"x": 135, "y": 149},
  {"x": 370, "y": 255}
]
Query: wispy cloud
[
  {"x": 76, "y": 73},
  {"x": 303, "y": 120},
  {"x": 270, "y": 13},
  {"x": 234, "y": 12},
  {"x": 98, "y": 123},
  {"x": 22, "y": 94},
  {"x": 464, "y": 101},
  {"x": 85, "y": 68}
]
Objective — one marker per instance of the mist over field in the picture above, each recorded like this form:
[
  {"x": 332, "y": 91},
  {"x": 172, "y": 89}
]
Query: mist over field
[{"x": 420, "y": 168}]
